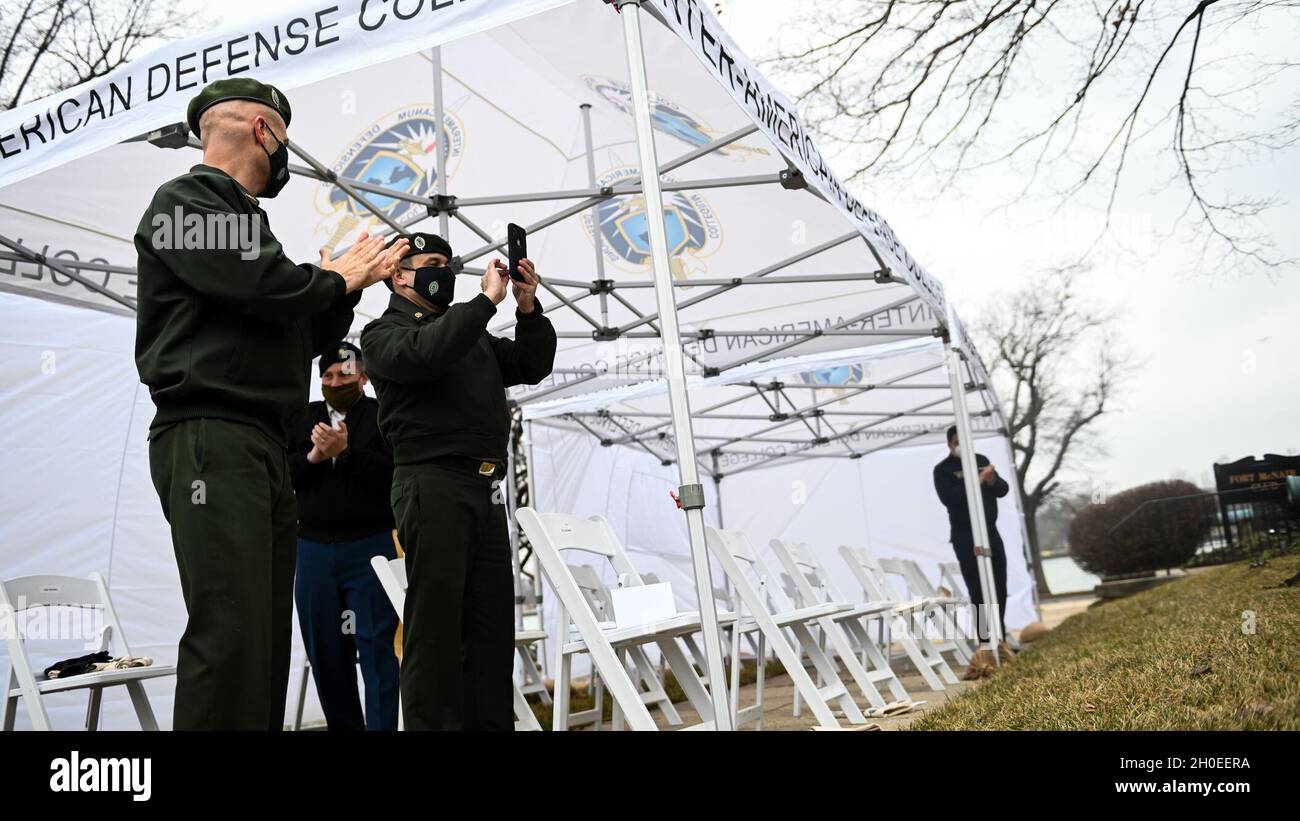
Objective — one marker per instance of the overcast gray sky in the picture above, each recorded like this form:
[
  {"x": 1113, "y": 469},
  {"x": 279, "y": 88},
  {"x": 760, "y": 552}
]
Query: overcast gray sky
[{"x": 1222, "y": 373}]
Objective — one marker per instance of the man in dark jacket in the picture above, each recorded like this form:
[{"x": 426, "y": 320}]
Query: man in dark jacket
[
  {"x": 342, "y": 473},
  {"x": 226, "y": 328},
  {"x": 441, "y": 380},
  {"x": 948, "y": 484}
]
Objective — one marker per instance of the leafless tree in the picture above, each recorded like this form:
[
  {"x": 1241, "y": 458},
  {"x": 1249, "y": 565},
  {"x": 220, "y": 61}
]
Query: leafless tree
[
  {"x": 1057, "y": 369},
  {"x": 49, "y": 45},
  {"x": 926, "y": 86}
]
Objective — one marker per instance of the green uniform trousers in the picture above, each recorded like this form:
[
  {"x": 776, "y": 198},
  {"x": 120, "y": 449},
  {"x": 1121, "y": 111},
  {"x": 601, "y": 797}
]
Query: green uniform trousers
[
  {"x": 458, "y": 626},
  {"x": 226, "y": 492}
]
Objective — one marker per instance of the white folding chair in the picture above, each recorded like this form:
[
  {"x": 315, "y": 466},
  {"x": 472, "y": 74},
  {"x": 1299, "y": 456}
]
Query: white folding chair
[
  {"x": 608, "y": 644},
  {"x": 774, "y": 613},
  {"x": 813, "y": 586},
  {"x": 21, "y": 594},
  {"x": 912, "y": 637},
  {"x": 392, "y": 577},
  {"x": 946, "y": 608}
]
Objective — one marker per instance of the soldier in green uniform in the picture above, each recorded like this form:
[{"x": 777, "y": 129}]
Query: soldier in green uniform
[
  {"x": 226, "y": 330},
  {"x": 441, "y": 379}
]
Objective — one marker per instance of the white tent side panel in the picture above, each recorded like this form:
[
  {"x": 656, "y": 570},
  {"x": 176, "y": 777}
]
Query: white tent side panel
[{"x": 78, "y": 495}]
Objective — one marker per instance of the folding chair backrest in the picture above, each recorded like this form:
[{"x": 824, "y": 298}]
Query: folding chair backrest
[
  {"x": 914, "y": 580},
  {"x": 802, "y": 571},
  {"x": 950, "y": 577},
  {"x": 27, "y": 592},
  {"x": 737, "y": 545},
  {"x": 392, "y": 577},
  {"x": 862, "y": 563},
  {"x": 596, "y": 591},
  {"x": 589, "y": 535}
]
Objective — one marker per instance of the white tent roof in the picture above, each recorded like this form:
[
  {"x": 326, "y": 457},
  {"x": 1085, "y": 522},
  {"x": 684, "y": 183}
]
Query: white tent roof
[{"x": 764, "y": 267}]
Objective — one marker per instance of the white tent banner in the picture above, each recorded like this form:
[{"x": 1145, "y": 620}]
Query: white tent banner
[{"x": 297, "y": 44}]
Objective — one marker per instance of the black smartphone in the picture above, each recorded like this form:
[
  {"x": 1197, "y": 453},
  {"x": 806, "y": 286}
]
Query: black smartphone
[{"x": 517, "y": 241}]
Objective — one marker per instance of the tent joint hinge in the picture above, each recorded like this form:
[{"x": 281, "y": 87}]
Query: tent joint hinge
[
  {"x": 821, "y": 440},
  {"x": 710, "y": 370},
  {"x": 792, "y": 179},
  {"x": 175, "y": 135},
  {"x": 939, "y": 331},
  {"x": 605, "y": 334},
  {"x": 778, "y": 417},
  {"x": 602, "y": 286},
  {"x": 439, "y": 203},
  {"x": 884, "y": 276}
]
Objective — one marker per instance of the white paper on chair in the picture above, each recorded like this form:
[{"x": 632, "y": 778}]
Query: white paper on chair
[{"x": 642, "y": 604}]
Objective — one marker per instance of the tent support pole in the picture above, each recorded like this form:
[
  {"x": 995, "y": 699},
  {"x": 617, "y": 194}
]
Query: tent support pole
[
  {"x": 435, "y": 55},
  {"x": 693, "y": 493},
  {"x": 585, "y": 108},
  {"x": 974, "y": 498}
]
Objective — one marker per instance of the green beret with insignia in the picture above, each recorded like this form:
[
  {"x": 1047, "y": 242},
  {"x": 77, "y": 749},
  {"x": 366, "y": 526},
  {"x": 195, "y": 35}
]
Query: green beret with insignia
[
  {"x": 421, "y": 243},
  {"x": 236, "y": 88}
]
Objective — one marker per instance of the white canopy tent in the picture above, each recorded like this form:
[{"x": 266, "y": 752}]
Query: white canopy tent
[{"x": 536, "y": 104}]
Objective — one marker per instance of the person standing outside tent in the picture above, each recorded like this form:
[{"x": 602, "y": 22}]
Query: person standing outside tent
[
  {"x": 342, "y": 471},
  {"x": 952, "y": 493},
  {"x": 226, "y": 329},
  {"x": 441, "y": 380}
]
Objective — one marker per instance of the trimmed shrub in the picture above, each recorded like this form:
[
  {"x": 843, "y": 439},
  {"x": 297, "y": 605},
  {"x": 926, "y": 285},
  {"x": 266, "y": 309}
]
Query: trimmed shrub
[{"x": 1142, "y": 529}]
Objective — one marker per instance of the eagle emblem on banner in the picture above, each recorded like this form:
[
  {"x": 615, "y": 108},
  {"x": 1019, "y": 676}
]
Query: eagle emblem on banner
[
  {"x": 668, "y": 117},
  {"x": 396, "y": 152}
]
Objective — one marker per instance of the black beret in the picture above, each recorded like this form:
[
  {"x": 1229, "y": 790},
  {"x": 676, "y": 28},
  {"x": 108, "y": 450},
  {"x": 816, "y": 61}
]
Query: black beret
[
  {"x": 343, "y": 352},
  {"x": 421, "y": 244},
  {"x": 236, "y": 88}
]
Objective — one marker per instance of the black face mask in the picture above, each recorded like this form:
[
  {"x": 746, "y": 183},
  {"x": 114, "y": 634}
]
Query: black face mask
[
  {"x": 279, "y": 168},
  {"x": 436, "y": 284}
]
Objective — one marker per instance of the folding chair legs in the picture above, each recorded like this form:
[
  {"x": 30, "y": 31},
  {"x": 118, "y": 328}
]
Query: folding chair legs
[
  {"x": 142, "y": 707},
  {"x": 560, "y": 702},
  {"x": 825, "y": 668},
  {"x": 92, "y": 709},
  {"x": 925, "y": 658},
  {"x": 35, "y": 707}
]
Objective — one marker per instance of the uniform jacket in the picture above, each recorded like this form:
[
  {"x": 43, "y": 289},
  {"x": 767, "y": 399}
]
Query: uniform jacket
[
  {"x": 220, "y": 336},
  {"x": 441, "y": 378}
]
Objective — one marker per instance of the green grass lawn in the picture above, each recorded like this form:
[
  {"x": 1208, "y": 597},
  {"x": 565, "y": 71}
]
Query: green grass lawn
[{"x": 1171, "y": 658}]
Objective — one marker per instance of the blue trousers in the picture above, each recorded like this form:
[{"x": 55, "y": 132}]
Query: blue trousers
[{"x": 347, "y": 620}]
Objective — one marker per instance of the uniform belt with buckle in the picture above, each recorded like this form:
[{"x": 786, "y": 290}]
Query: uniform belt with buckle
[{"x": 487, "y": 468}]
